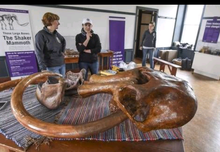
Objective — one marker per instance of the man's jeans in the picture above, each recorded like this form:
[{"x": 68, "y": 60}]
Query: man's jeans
[
  {"x": 149, "y": 52},
  {"x": 93, "y": 67}
]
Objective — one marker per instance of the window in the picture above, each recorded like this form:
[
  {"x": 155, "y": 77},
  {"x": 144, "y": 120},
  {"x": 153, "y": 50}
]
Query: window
[{"x": 191, "y": 24}]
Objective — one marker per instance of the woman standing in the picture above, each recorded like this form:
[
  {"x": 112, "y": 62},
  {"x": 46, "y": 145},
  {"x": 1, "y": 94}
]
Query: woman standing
[
  {"x": 88, "y": 44},
  {"x": 50, "y": 45},
  {"x": 148, "y": 44}
]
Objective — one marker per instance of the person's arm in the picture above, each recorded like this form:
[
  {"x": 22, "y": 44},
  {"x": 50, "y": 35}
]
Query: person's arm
[
  {"x": 85, "y": 43},
  {"x": 143, "y": 37},
  {"x": 63, "y": 44},
  {"x": 88, "y": 35},
  {"x": 39, "y": 49},
  {"x": 142, "y": 40},
  {"x": 98, "y": 46},
  {"x": 154, "y": 43},
  {"x": 79, "y": 43}
]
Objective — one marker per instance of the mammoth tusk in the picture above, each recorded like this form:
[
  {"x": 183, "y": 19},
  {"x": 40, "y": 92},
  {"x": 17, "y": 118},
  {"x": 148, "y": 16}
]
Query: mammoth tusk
[
  {"x": 89, "y": 89},
  {"x": 112, "y": 78},
  {"x": 13, "y": 83},
  {"x": 57, "y": 130},
  {"x": 9, "y": 84}
]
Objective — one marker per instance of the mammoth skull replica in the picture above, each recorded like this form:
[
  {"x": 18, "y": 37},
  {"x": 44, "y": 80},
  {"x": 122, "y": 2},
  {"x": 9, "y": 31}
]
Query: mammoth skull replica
[{"x": 149, "y": 98}]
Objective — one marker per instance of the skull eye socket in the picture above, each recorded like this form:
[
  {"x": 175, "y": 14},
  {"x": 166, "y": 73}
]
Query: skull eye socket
[
  {"x": 144, "y": 77},
  {"x": 128, "y": 99},
  {"x": 137, "y": 110}
]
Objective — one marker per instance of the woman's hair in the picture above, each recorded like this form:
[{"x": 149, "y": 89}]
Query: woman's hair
[
  {"x": 153, "y": 23},
  {"x": 49, "y": 17}
]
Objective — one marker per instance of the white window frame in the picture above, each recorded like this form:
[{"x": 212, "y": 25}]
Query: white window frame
[{"x": 191, "y": 24}]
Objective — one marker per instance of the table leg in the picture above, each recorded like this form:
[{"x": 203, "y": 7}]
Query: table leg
[
  {"x": 173, "y": 71},
  {"x": 102, "y": 62},
  {"x": 107, "y": 64},
  {"x": 162, "y": 67}
]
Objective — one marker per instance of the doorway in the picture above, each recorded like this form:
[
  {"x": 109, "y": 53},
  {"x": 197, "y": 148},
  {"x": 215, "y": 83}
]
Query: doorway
[{"x": 143, "y": 17}]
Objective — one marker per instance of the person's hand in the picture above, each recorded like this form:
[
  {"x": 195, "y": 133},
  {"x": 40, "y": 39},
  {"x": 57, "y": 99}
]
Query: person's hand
[
  {"x": 88, "y": 35},
  {"x": 87, "y": 51},
  {"x": 141, "y": 47}
]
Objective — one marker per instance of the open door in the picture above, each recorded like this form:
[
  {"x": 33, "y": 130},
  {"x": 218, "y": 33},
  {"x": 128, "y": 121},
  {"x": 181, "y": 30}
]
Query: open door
[{"x": 143, "y": 17}]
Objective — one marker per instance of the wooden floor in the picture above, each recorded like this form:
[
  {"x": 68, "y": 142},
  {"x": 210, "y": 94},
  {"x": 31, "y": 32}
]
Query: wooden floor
[{"x": 202, "y": 133}]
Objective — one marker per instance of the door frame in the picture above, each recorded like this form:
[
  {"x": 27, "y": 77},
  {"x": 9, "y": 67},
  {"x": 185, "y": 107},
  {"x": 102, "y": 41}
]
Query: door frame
[{"x": 139, "y": 12}]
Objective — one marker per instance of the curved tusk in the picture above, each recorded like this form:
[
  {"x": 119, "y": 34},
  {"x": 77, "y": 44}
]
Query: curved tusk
[
  {"x": 9, "y": 84},
  {"x": 13, "y": 83},
  {"x": 57, "y": 130}
]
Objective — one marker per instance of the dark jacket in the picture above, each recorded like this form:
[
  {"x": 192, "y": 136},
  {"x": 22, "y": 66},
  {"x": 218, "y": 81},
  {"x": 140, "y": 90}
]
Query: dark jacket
[
  {"x": 149, "y": 39},
  {"x": 94, "y": 45},
  {"x": 49, "y": 48}
]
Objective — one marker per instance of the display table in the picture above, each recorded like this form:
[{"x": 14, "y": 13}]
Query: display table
[
  {"x": 73, "y": 59},
  {"x": 162, "y": 63},
  {"x": 102, "y": 55},
  {"x": 109, "y": 56},
  {"x": 207, "y": 65},
  {"x": 7, "y": 145}
]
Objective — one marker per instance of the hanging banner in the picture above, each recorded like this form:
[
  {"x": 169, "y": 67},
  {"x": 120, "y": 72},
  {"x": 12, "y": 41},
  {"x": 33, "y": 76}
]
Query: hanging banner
[
  {"x": 16, "y": 42},
  {"x": 117, "y": 38},
  {"x": 212, "y": 30}
]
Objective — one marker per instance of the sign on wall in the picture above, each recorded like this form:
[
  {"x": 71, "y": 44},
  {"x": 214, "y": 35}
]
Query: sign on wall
[
  {"x": 21, "y": 63},
  {"x": 117, "y": 38},
  {"x": 212, "y": 30},
  {"x": 16, "y": 42}
]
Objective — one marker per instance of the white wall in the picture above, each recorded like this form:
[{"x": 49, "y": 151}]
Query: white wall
[
  {"x": 210, "y": 11},
  {"x": 70, "y": 21},
  {"x": 164, "y": 10},
  {"x": 165, "y": 27}
]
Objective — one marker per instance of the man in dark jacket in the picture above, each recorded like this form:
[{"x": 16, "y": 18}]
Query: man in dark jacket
[
  {"x": 88, "y": 44},
  {"x": 148, "y": 44}
]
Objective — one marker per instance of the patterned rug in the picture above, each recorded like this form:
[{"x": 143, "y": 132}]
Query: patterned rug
[
  {"x": 82, "y": 110},
  {"x": 11, "y": 128},
  {"x": 74, "y": 111}
]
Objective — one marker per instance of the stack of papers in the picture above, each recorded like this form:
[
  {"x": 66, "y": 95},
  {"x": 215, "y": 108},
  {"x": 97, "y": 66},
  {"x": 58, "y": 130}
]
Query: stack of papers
[{"x": 108, "y": 72}]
